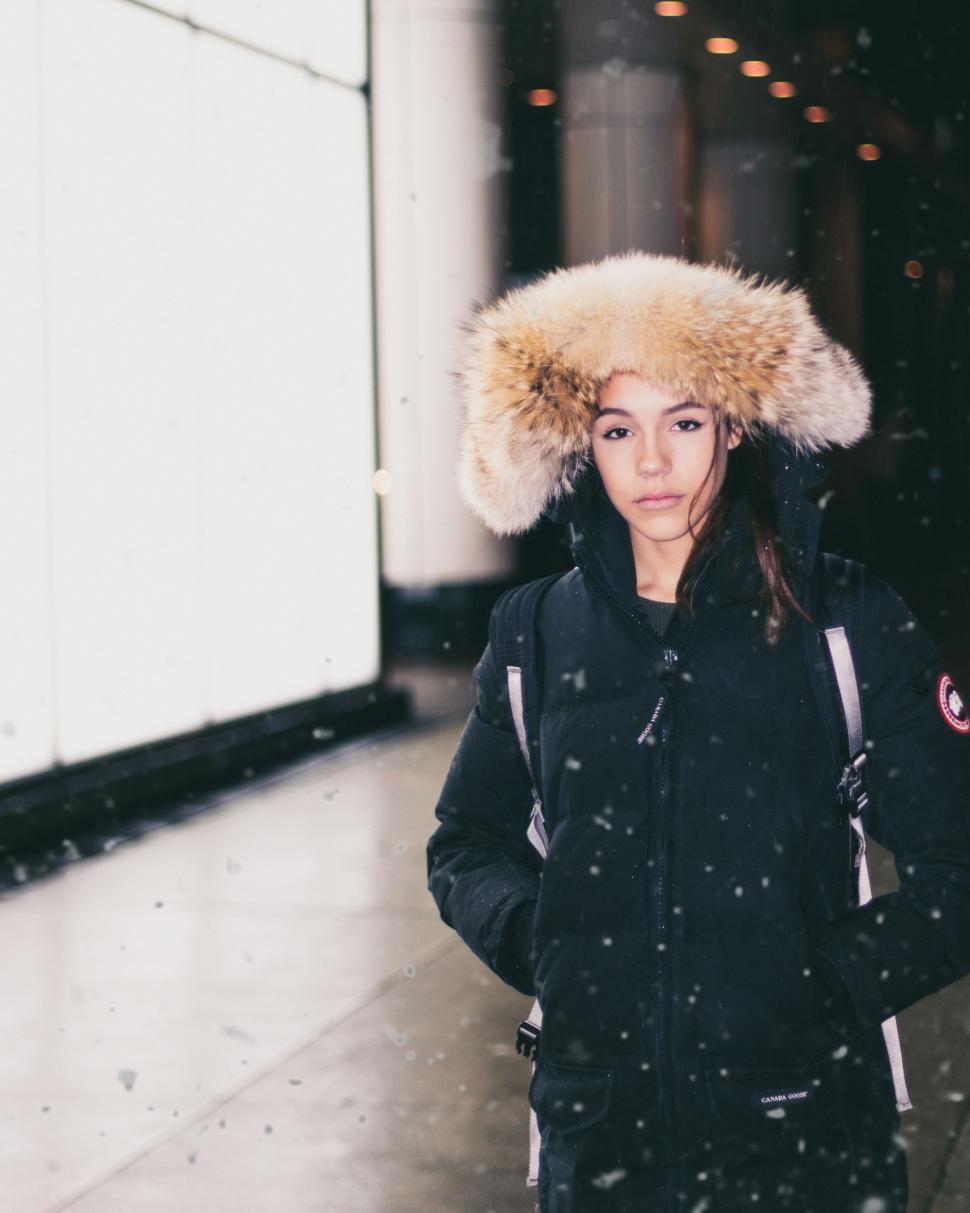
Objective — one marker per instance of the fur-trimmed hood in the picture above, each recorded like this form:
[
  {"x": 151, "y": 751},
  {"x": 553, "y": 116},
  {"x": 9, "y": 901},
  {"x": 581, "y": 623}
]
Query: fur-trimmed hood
[{"x": 535, "y": 359}]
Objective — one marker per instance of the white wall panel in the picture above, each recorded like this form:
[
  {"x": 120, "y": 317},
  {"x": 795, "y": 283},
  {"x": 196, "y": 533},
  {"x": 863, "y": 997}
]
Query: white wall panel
[
  {"x": 290, "y": 542},
  {"x": 119, "y": 216},
  {"x": 26, "y": 733},
  {"x": 190, "y": 448},
  {"x": 329, "y": 35},
  {"x": 175, "y": 8}
]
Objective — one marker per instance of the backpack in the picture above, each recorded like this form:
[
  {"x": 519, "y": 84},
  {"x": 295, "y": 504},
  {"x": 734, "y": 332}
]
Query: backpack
[{"x": 836, "y": 605}]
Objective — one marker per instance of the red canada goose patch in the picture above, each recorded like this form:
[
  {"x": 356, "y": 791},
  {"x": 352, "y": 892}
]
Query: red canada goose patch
[{"x": 952, "y": 707}]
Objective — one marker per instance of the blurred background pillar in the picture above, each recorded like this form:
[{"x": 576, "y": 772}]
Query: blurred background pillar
[
  {"x": 440, "y": 240},
  {"x": 746, "y": 208},
  {"x": 626, "y": 133},
  {"x": 747, "y": 200}
]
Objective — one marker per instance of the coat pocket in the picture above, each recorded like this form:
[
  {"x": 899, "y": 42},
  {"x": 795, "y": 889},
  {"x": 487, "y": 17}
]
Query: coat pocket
[
  {"x": 751, "y": 1087},
  {"x": 569, "y": 1098},
  {"x": 777, "y": 1125}
]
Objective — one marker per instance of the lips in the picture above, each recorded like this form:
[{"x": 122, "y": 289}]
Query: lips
[
  {"x": 658, "y": 503},
  {"x": 650, "y": 497}
]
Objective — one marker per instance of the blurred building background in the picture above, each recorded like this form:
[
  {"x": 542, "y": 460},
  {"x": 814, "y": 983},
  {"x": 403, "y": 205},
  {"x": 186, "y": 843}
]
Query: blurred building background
[
  {"x": 824, "y": 143},
  {"x": 238, "y": 242}
]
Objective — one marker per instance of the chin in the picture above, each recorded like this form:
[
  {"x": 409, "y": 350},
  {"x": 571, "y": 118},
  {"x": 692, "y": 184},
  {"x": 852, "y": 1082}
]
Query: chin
[{"x": 659, "y": 528}]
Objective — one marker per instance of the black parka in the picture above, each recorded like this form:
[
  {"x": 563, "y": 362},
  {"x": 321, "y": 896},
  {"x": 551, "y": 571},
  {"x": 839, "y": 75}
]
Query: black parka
[{"x": 712, "y": 994}]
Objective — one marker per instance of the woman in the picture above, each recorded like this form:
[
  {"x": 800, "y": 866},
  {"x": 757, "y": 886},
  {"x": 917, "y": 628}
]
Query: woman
[{"x": 712, "y": 993}]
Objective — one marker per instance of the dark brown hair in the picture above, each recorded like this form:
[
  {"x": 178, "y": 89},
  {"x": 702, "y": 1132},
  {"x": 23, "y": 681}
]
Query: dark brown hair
[{"x": 747, "y": 472}]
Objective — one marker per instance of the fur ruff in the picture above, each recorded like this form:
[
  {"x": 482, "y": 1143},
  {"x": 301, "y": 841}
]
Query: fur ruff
[{"x": 536, "y": 358}]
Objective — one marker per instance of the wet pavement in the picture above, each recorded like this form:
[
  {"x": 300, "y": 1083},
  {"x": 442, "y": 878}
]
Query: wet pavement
[{"x": 258, "y": 1008}]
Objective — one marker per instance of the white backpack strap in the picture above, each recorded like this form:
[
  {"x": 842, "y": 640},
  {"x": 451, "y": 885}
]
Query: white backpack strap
[
  {"x": 536, "y": 833},
  {"x": 535, "y": 1139},
  {"x": 849, "y": 691}
]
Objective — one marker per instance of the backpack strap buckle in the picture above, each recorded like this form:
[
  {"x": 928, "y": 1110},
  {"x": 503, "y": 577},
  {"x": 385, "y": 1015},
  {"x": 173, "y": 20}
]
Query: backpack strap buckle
[
  {"x": 527, "y": 1038},
  {"x": 852, "y": 795}
]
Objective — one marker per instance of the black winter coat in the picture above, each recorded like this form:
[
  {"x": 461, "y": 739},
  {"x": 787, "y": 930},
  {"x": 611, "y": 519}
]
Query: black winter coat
[{"x": 697, "y": 946}]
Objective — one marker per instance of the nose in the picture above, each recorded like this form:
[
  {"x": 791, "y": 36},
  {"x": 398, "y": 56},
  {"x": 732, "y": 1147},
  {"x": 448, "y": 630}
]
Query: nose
[{"x": 652, "y": 457}]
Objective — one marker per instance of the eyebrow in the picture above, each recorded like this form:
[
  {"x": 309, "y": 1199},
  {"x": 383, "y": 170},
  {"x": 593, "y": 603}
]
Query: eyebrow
[{"x": 674, "y": 408}]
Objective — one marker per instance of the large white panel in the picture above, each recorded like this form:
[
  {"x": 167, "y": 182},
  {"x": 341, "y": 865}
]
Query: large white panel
[
  {"x": 214, "y": 524},
  {"x": 176, "y": 8},
  {"x": 329, "y": 35},
  {"x": 290, "y": 543},
  {"x": 26, "y": 736},
  {"x": 124, "y": 409}
]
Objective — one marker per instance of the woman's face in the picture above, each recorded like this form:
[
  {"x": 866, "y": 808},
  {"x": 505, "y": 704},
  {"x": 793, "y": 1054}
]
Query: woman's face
[{"x": 647, "y": 441}]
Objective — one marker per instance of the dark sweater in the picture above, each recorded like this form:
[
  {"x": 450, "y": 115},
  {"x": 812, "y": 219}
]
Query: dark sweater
[{"x": 658, "y": 613}]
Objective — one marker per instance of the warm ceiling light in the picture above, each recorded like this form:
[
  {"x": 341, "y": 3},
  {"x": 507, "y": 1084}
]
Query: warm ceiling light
[
  {"x": 721, "y": 46},
  {"x": 755, "y": 67},
  {"x": 782, "y": 88},
  {"x": 868, "y": 151},
  {"x": 541, "y": 96},
  {"x": 381, "y": 481},
  {"x": 670, "y": 8},
  {"x": 816, "y": 113},
  {"x": 913, "y": 269}
]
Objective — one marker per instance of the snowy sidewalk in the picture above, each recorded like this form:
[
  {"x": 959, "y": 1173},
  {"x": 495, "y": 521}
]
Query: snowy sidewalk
[{"x": 258, "y": 1009}]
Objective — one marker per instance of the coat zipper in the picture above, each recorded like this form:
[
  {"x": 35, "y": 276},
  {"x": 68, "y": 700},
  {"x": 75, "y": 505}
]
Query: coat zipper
[
  {"x": 661, "y": 1051},
  {"x": 670, "y": 659}
]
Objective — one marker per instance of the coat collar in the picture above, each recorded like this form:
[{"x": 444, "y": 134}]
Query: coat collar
[{"x": 730, "y": 573}]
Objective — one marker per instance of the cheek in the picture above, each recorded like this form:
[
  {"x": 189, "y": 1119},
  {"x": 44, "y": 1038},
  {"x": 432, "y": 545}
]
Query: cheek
[
  {"x": 614, "y": 474},
  {"x": 696, "y": 463}
]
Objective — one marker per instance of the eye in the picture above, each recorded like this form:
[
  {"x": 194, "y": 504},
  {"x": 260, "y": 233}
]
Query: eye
[{"x": 622, "y": 429}]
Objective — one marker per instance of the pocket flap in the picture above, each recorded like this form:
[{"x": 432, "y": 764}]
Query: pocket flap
[
  {"x": 770, "y": 1085},
  {"x": 569, "y": 1098}
]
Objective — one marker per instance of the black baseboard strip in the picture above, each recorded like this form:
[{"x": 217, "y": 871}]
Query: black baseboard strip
[{"x": 69, "y": 812}]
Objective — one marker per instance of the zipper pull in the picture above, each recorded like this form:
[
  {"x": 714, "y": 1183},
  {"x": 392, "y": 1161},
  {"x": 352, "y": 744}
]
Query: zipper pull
[
  {"x": 655, "y": 716},
  {"x": 670, "y": 661},
  {"x": 536, "y": 832}
]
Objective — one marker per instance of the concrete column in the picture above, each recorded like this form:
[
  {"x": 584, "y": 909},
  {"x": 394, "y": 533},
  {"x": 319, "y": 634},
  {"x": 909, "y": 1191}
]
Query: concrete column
[
  {"x": 626, "y": 133},
  {"x": 746, "y": 196},
  {"x": 625, "y": 162},
  {"x": 835, "y": 237},
  {"x": 439, "y": 247},
  {"x": 747, "y": 205}
]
